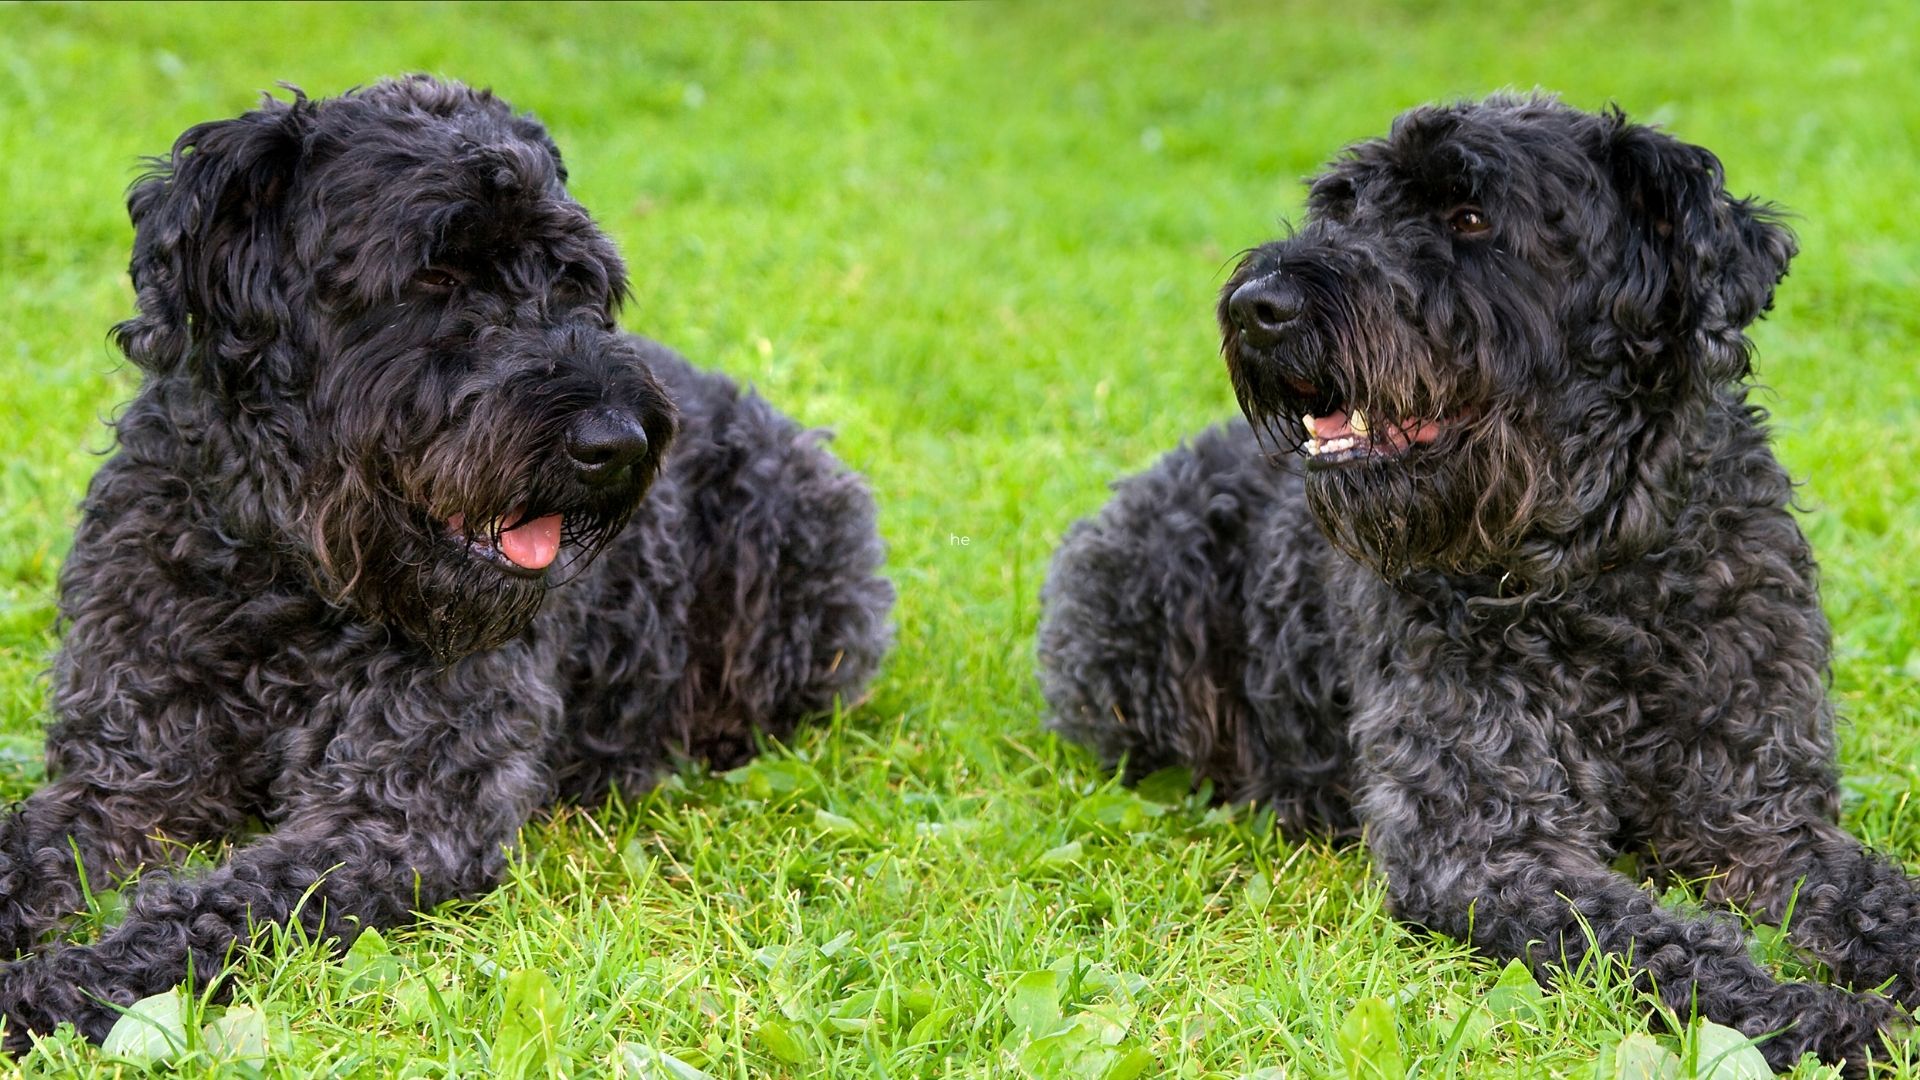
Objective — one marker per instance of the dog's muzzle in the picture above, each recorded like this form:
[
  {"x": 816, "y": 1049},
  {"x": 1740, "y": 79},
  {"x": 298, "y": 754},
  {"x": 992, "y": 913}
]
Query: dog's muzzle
[{"x": 1282, "y": 380}]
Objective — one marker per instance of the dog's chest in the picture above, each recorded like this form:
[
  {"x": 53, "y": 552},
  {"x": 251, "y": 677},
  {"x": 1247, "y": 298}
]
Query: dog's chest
[{"x": 1569, "y": 704}]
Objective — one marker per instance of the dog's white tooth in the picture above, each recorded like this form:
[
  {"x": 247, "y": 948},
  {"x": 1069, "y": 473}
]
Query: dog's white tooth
[
  {"x": 1357, "y": 420},
  {"x": 1306, "y": 421}
]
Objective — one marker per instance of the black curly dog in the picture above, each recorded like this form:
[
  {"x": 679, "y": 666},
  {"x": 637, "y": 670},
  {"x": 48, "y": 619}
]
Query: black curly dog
[
  {"x": 385, "y": 414},
  {"x": 1534, "y": 598}
]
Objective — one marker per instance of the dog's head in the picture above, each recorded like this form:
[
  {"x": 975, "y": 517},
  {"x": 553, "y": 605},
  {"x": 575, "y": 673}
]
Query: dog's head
[
  {"x": 392, "y": 308},
  {"x": 1492, "y": 330}
]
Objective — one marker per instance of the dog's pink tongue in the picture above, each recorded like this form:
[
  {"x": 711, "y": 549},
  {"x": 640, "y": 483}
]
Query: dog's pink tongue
[
  {"x": 1331, "y": 426},
  {"x": 534, "y": 544}
]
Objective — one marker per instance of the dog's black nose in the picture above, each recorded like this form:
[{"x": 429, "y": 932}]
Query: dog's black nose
[
  {"x": 1262, "y": 308},
  {"x": 602, "y": 442}
]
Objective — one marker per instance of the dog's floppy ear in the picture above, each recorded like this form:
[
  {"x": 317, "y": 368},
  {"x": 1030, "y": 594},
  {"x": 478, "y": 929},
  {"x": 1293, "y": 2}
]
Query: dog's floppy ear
[
  {"x": 206, "y": 221},
  {"x": 1698, "y": 265}
]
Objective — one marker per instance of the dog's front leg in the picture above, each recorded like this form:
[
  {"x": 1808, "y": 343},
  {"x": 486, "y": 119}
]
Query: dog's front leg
[
  {"x": 392, "y": 814},
  {"x": 1511, "y": 868},
  {"x": 119, "y": 810},
  {"x": 1856, "y": 910}
]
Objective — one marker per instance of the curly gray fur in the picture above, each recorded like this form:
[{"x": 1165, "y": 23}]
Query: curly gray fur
[
  {"x": 377, "y": 337},
  {"x": 1544, "y": 604}
]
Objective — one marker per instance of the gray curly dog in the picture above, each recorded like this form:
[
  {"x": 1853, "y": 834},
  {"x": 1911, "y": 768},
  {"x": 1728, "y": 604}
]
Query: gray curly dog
[
  {"x": 385, "y": 415},
  {"x": 1529, "y": 595}
]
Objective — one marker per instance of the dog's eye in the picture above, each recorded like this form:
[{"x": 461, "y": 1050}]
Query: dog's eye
[
  {"x": 436, "y": 278},
  {"x": 1469, "y": 221}
]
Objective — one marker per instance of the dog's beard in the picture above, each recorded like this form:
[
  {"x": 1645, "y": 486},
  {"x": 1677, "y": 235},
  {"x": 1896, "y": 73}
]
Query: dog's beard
[
  {"x": 454, "y": 599},
  {"x": 423, "y": 584},
  {"x": 459, "y": 606},
  {"x": 1407, "y": 468},
  {"x": 448, "y": 566},
  {"x": 1465, "y": 504},
  {"x": 1394, "y": 516}
]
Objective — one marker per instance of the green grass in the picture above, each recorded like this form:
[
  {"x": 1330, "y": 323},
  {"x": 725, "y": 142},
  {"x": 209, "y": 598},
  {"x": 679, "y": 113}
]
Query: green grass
[{"x": 982, "y": 242}]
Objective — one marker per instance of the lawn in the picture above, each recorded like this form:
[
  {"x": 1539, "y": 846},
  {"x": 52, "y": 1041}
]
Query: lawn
[{"x": 982, "y": 243}]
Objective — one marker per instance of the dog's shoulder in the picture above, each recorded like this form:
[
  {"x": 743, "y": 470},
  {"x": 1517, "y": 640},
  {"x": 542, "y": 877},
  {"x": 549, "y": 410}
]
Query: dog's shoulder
[
  {"x": 1737, "y": 531},
  {"x": 1739, "y": 471},
  {"x": 702, "y": 398}
]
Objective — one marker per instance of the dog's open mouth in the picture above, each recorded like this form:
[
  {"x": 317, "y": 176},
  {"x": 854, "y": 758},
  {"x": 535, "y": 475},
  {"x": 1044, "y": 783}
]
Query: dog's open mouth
[
  {"x": 515, "y": 542},
  {"x": 1335, "y": 431},
  {"x": 1344, "y": 435}
]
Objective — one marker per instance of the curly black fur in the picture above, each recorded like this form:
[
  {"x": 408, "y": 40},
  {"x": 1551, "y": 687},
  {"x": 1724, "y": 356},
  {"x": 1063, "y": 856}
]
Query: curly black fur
[
  {"x": 1535, "y": 598},
  {"x": 378, "y": 336}
]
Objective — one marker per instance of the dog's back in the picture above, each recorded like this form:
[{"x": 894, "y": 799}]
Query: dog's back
[
  {"x": 745, "y": 595},
  {"x": 1187, "y": 624}
]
